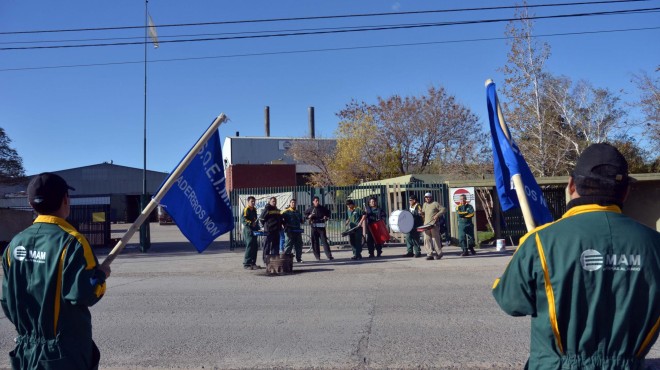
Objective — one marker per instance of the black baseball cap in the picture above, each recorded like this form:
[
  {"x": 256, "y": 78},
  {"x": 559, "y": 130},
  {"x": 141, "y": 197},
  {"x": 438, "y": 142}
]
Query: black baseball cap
[
  {"x": 602, "y": 165},
  {"x": 412, "y": 197},
  {"x": 46, "y": 191}
]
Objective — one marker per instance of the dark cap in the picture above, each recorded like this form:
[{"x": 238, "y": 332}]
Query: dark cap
[
  {"x": 349, "y": 202},
  {"x": 46, "y": 191},
  {"x": 412, "y": 197},
  {"x": 600, "y": 169}
]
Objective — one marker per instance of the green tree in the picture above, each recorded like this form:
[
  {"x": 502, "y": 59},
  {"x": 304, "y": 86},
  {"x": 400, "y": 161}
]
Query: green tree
[
  {"x": 361, "y": 155},
  {"x": 11, "y": 164}
]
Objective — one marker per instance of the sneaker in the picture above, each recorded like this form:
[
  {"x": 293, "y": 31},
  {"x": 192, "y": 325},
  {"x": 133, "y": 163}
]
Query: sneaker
[
  {"x": 438, "y": 256},
  {"x": 418, "y": 255},
  {"x": 331, "y": 258},
  {"x": 256, "y": 267},
  {"x": 408, "y": 255},
  {"x": 355, "y": 258},
  {"x": 379, "y": 253},
  {"x": 248, "y": 267},
  {"x": 464, "y": 254},
  {"x": 299, "y": 261},
  {"x": 371, "y": 255},
  {"x": 473, "y": 251},
  {"x": 429, "y": 258}
]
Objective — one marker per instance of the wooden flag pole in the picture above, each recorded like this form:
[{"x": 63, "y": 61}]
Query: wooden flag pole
[
  {"x": 163, "y": 190},
  {"x": 517, "y": 180}
]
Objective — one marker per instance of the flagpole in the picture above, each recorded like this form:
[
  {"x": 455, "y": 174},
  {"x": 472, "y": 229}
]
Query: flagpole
[
  {"x": 163, "y": 190},
  {"x": 517, "y": 179}
]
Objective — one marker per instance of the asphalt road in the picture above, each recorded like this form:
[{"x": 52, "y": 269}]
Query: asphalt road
[{"x": 173, "y": 308}]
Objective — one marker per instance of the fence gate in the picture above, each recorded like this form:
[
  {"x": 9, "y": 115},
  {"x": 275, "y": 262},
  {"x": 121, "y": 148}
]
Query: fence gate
[{"x": 91, "y": 217}]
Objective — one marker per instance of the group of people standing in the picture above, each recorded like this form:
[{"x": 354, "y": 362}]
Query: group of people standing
[
  {"x": 428, "y": 217},
  {"x": 289, "y": 220}
]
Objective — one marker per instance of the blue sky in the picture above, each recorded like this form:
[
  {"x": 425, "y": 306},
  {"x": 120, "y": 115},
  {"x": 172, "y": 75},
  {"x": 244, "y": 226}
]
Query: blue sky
[{"x": 60, "y": 118}]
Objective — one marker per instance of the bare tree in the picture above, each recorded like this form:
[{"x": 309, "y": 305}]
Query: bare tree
[
  {"x": 317, "y": 153},
  {"x": 420, "y": 132},
  {"x": 650, "y": 105},
  {"x": 524, "y": 87}
]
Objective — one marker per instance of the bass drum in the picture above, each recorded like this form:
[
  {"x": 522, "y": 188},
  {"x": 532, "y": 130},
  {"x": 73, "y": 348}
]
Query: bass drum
[{"x": 401, "y": 221}]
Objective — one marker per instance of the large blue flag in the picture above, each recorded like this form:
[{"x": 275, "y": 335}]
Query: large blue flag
[
  {"x": 508, "y": 161},
  {"x": 198, "y": 200}
]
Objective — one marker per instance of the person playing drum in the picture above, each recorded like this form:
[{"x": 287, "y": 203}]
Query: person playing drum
[
  {"x": 412, "y": 238},
  {"x": 373, "y": 215},
  {"x": 293, "y": 230},
  {"x": 354, "y": 219},
  {"x": 432, "y": 241},
  {"x": 317, "y": 216}
]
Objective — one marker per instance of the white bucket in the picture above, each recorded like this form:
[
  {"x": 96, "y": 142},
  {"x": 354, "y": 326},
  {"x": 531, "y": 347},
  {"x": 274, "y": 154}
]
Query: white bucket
[{"x": 500, "y": 245}]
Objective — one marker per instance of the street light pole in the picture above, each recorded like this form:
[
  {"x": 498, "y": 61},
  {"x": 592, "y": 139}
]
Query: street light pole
[{"x": 145, "y": 240}]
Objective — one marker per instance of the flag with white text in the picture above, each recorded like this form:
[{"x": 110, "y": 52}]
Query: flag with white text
[
  {"x": 198, "y": 201},
  {"x": 508, "y": 161}
]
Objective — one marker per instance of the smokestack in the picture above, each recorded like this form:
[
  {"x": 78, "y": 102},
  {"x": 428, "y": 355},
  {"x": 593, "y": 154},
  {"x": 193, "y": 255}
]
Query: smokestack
[
  {"x": 267, "y": 120},
  {"x": 311, "y": 122}
]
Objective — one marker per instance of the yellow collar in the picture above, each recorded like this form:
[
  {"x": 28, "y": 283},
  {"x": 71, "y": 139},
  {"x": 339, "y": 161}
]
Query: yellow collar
[
  {"x": 53, "y": 220},
  {"x": 591, "y": 208}
]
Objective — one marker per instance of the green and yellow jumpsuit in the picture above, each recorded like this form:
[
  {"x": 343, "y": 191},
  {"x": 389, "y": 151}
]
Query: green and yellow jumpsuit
[
  {"x": 51, "y": 277},
  {"x": 465, "y": 214},
  {"x": 591, "y": 283},
  {"x": 292, "y": 224},
  {"x": 250, "y": 224}
]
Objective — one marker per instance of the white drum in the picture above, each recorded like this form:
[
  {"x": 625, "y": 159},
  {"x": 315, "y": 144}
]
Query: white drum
[{"x": 401, "y": 221}]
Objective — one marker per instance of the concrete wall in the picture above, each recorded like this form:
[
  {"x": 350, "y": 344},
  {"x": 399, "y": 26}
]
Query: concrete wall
[
  {"x": 643, "y": 203},
  {"x": 12, "y": 222}
]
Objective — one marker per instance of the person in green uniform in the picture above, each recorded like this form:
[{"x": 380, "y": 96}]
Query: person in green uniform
[
  {"x": 465, "y": 213},
  {"x": 250, "y": 225},
  {"x": 412, "y": 238},
  {"x": 590, "y": 280},
  {"x": 292, "y": 220},
  {"x": 51, "y": 277},
  {"x": 354, "y": 218}
]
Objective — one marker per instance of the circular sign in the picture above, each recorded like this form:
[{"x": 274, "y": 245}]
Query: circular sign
[{"x": 456, "y": 197}]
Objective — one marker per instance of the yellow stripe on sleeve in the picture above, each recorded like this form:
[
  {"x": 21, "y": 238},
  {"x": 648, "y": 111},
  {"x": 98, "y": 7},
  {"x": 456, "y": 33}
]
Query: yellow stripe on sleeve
[
  {"x": 648, "y": 338},
  {"x": 552, "y": 311}
]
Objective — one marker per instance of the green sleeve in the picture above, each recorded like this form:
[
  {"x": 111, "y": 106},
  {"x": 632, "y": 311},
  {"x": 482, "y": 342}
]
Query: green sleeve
[
  {"x": 5, "y": 288},
  {"x": 82, "y": 282},
  {"x": 515, "y": 290}
]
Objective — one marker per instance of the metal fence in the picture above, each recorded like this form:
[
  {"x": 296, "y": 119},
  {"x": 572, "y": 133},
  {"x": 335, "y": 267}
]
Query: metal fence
[
  {"x": 93, "y": 221},
  {"x": 514, "y": 223},
  {"x": 390, "y": 198}
]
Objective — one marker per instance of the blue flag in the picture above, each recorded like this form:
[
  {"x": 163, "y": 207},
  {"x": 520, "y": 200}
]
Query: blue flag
[
  {"x": 508, "y": 161},
  {"x": 198, "y": 200}
]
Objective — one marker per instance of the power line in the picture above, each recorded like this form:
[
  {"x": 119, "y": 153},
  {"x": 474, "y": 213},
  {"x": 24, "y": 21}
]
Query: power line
[
  {"x": 326, "y": 17},
  {"x": 349, "y": 29},
  {"x": 324, "y": 50}
]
